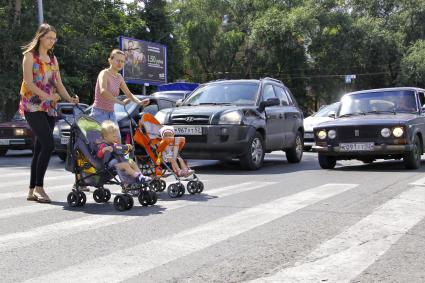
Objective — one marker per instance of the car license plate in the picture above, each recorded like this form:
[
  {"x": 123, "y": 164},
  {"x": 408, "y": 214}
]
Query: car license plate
[
  {"x": 188, "y": 130},
  {"x": 64, "y": 140},
  {"x": 357, "y": 146},
  {"x": 308, "y": 135},
  {"x": 4, "y": 141}
]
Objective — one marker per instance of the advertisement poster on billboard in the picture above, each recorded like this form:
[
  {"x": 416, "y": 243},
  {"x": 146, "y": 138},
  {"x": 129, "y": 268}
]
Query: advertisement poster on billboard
[{"x": 145, "y": 63}]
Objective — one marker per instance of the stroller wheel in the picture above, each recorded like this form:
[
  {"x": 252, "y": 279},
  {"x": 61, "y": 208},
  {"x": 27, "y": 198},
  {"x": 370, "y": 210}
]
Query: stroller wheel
[
  {"x": 145, "y": 198},
  {"x": 73, "y": 199},
  {"x": 192, "y": 187},
  {"x": 154, "y": 198},
  {"x": 182, "y": 190},
  {"x": 200, "y": 187},
  {"x": 120, "y": 203},
  {"x": 154, "y": 186},
  {"x": 107, "y": 195},
  {"x": 162, "y": 185},
  {"x": 173, "y": 190},
  {"x": 130, "y": 201},
  {"x": 82, "y": 199},
  {"x": 98, "y": 195}
]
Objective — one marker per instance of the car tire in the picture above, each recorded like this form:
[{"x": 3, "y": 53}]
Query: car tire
[
  {"x": 254, "y": 156},
  {"x": 295, "y": 154},
  {"x": 327, "y": 162},
  {"x": 3, "y": 151},
  {"x": 62, "y": 156},
  {"x": 412, "y": 160}
]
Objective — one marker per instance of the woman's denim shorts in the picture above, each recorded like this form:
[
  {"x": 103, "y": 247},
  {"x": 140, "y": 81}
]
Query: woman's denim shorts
[{"x": 102, "y": 115}]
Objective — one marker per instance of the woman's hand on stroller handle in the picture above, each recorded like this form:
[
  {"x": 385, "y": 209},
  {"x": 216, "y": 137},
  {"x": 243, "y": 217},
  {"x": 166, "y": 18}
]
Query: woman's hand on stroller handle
[
  {"x": 145, "y": 102},
  {"x": 74, "y": 100}
]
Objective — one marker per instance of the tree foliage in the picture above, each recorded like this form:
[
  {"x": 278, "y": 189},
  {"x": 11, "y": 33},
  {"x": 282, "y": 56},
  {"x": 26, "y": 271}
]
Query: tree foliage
[{"x": 310, "y": 45}]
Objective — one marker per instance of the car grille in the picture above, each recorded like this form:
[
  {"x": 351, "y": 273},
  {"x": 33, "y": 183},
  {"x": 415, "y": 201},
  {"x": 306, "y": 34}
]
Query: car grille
[
  {"x": 196, "y": 139},
  {"x": 6, "y": 133},
  {"x": 363, "y": 133},
  {"x": 65, "y": 133},
  {"x": 191, "y": 120}
]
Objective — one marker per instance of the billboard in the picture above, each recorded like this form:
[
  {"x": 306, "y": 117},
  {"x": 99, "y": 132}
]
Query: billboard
[{"x": 145, "y": 62}]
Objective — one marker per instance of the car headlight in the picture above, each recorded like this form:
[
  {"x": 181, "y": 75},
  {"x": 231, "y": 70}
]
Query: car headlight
[
  {"x": 321, "y": 134},
  {"x": 160, "y": 116},
  {"x": 56, "y": 131},
  {"x": 398, "y": 132},
  {"x": 232, "y": 117},
  {"x": 385, "y": 132},
  {"x": 20, "y": 132},
  {"x": 332, "y": 134}
]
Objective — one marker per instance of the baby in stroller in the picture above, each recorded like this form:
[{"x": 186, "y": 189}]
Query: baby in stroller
[
  {"x": 111, "y": 143},
  {"x": 170, "y": 153}
]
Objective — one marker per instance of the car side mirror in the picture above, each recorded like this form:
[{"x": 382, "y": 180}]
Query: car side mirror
[
  {"x": 332, "y": 114},
  {"x": 285, "y": 103},
  {"x": 179, "y": 102},
  {"x": 269, "y": 102}
]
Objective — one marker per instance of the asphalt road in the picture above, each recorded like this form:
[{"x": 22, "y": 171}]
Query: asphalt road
[{"x": 283, "y": 223}]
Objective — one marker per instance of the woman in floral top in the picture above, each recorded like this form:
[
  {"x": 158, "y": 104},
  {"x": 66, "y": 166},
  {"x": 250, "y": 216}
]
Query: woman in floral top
[{"x": 39, "y": 94}]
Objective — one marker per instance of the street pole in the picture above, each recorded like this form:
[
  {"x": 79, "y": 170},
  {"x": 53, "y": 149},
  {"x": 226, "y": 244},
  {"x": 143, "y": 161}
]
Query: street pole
[{"x": 40, "y": 12}]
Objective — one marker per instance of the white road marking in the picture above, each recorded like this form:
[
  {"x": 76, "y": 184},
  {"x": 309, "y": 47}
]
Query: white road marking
[
  {"x": 61, "y": 229},
  {"x": 27, "y": 181},
  {"x": 419, "y": 182},
  {"x": 23, "y": 194},
  {"x": 113, "y": 267},
  {"x": 344, "y": 257}
]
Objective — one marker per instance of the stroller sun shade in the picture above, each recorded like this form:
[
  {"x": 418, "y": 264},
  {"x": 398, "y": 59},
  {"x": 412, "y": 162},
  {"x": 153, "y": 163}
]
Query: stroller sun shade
[{"x": 88, "y": 124}]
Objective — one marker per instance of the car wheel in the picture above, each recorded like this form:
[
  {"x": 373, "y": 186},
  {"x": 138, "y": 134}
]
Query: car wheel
[
  {"x": 3, "y": 151},
  {"x": 327, "y": 162},
  {"x": 62, "y": 155},
  {"x": 294, "y": 154},
  {"x": 412, "y": 160},
  {"x": 254, "y": 156}
]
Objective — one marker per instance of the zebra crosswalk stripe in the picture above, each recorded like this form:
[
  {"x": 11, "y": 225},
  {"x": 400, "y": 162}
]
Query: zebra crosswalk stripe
[
  {"x": 112, "y": 268},
  {"x": 61, "y": 229},
  {"x": 344, "y": 257}
]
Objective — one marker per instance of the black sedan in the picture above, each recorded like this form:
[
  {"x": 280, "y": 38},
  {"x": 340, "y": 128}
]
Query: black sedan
[
  {"x": 375, "y": 124},
  {"x": 15, "y": 135}
]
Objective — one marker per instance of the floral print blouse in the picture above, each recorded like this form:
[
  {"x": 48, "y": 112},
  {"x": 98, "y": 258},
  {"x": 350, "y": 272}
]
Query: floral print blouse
[{"x": 44, "y": 77}]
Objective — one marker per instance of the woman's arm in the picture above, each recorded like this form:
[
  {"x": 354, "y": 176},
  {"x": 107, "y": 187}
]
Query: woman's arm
[
  {"x": 61, "y": 88},
  {"x": 104, "y": 89},
  {"x": 127, "y": 92},
  {"x": 27, "y": 64}
]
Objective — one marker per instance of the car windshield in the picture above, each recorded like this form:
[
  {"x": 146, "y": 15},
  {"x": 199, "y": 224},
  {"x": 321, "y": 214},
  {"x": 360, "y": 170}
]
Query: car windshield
[
  {"x": 324, "y": 112},
  {"x": 378, "y": 102},
  {"x": 225, "y": 93}
]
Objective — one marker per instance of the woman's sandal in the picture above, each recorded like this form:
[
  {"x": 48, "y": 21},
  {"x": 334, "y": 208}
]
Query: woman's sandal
[
  {"x": 42, "y": 199},
  {"x": 32, "y": 197}
]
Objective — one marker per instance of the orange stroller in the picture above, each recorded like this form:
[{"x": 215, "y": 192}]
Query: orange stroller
[{"x": 152, "y": 164}]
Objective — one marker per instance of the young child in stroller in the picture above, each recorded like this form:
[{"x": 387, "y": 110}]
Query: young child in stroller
[
  {"x": 111, "y": 143},
  {"x": 160, "y": 148},
  {"x": 94, "y": 167},
  {"x": 170, "y": 153}
]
